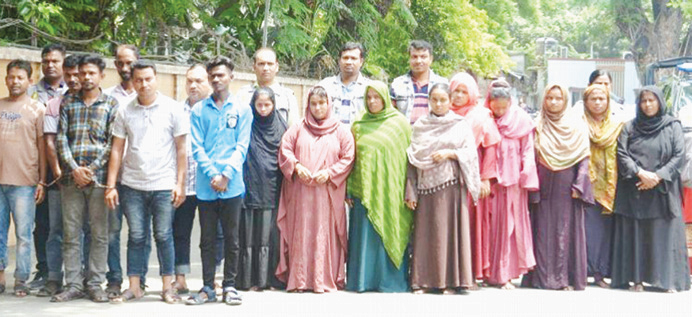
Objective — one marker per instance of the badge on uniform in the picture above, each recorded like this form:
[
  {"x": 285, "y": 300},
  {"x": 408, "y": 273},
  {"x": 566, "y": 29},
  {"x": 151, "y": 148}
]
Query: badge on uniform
[{"x": 231, "y": 120}]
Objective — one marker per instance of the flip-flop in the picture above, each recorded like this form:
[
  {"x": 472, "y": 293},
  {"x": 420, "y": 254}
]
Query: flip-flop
[
  {"x": 21, "y": 290},
  {"x": 126, "y": 296},
  {"x": 170, "y": 296}
]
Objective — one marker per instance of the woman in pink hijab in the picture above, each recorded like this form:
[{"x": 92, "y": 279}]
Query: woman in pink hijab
[
  {"x": 316, "y": 156},
  {"x": 465, "y": 103}
]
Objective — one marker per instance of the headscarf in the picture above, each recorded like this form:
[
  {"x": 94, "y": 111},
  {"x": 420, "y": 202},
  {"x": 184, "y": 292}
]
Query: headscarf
[
  {"x": 480, "y": 118},
  {"x": 378, "y": 178},
  {"x": 648, "y": 125},
  {"x": 561, "y": 138},
  {"x": 450, "y": 132},
  {"x": 261, "y": 170},
  {"x": 320, "y": 127},
  {"x": 514, "y": 125},
  {"x": 603, "y": 170}
]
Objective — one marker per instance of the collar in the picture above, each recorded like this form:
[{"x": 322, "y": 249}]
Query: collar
[
  {"x": 151, "y": 106},
  {"x": 46, "y": 86},
  {"x": 101, "y": 98},
  {"x": 209, "y": 101}
]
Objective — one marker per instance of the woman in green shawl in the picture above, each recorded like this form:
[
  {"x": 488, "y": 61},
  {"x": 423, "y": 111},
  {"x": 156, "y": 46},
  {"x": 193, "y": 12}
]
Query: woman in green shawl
[{"x": 380, "y": 222}]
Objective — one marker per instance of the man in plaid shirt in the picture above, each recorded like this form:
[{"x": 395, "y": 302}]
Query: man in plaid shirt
[{"x": 84, "y": 142}]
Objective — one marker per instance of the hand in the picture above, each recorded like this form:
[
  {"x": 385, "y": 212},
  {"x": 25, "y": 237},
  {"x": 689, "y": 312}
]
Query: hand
[
  {"x": 39, "y": 194},
  {"x": 411, "y": 204},
  {"x": 178, "y": 196},
  {"x": 442, "y": 155},
  {"x": 575, "y": 194},
  {"x": 219, "y": 183},
  {"x": 321, "y": 177},
  {"x": 349, "y": 202},
  {"x": 647, "y": 180},
  {"x": 82, "y": 176},
  {"x": 112, "y": 199},
  {"x": 485, "y": 188},
  {"x": 303, "y": 173}
]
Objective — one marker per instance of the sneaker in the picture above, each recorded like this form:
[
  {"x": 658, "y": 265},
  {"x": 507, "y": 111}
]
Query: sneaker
[
  {"x": 50, "y": 289},
  {"x": 231, "y": 296},
  {"x": 39, "y": 280},
  {"x": 97, "y": 294}
]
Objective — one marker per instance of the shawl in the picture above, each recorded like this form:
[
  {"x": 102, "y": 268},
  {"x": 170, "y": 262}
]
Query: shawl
[
  {"x": 450, "y": 132},
  {"x": 645, "y": 125},
  {"x": 480, "y": 118},
  {"x": 378, "y": 178},
  {"x": 561, "y": 138},
  {"x": 261, "y": 169},
  {"x": 515, "y": 125},
  {"x": 322, "y": 127},
  {"x": 603, "y": 170}
]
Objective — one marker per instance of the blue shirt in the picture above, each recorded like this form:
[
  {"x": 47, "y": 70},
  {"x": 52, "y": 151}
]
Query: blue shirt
[{"x": 220, "y": 140}]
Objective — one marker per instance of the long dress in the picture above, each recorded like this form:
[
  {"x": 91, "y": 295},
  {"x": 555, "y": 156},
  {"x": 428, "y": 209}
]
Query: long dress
[
  {"x": 312, "y": 217},
  {"x": 649, "y": 240},
  {"x": 380, "y": 222}
]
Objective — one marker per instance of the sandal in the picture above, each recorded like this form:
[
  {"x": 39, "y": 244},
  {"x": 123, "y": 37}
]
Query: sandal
[
  {"x": 113, "y": 290},
  {"x": 180, "y": 288},
  {"x": 2, "y": 288},
  {"x": 206, "y": 294},
  {"x": 170, "y": 296},
  {"x": 21, "y": 290},
  {"x": 67, "y": 295},
  {"x": 127, "y": 296},
  {"x": 231, "y": 296}
]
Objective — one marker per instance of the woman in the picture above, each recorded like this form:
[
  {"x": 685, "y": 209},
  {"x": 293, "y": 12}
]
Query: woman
[
  {"x": 315, "y": 158},
  {"x": 380, "y": 222},
  {"x": 258, "y": 232},
  {"x": 603, "y": 133},
  {"x": 464, "y": 103},
  {"x": 443, "y": 170},
  {"x": 649, "y": 240},
  {"x": 511, "y": 244},
  {"x": 562, "y": 146}
]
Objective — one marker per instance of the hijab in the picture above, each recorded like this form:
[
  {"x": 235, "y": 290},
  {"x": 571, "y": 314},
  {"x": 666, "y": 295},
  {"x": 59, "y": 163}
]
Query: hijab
[
  {"x": 649, "y": 125},
  {"x": 320, "y": 127},
  {"x": 480, "y": 118}
]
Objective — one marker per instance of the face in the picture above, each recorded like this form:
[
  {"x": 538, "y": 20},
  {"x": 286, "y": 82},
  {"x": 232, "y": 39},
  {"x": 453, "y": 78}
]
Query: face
[
  {"x": 554, "y": 101},
  {"x": 17, "y": 81},
  {"x": 439, "y": 102},
  {"x": 51, "y": 65},
  {"x": 602, "y": 80},
  {"x": 144, "y": 81},
  {"x": 71, "y": 77},
  {"x": 90, "y": 76},
  {"x": 499, "y": 106},
  {"x": 265, "y": 66},
  {"x": 264, "y": 105},
  {"x": 350, "y": 62},
  {"x": 197, "y": 84},
  {"x": 123, "y": 63},
  {"x": 420, "y": 60},
  {"x": 597, "y": 103},
  {"x": 319, "y": 107},
  {"x": 460, "y": 96},
  {"x": 649, "y": 104},
  {"x": 374, "y": 101},
  {"x": 220, "y": 78}
]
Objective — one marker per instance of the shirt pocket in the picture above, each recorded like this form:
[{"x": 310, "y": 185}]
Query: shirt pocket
[{"x": 97, "y": 123}]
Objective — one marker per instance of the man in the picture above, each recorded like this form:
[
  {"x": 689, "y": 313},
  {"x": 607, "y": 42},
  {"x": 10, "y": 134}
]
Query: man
[
  {"x": 22, "y": 170},
  {"x": 410, "y": 91},
  {"x": 153, "y": 175},
  {"x": 220, "y": 138},
  {"x": 53, "y": 285},
  {"x": 618, "y": 110},
  {"x": 125, "y": 56},
  {"x": 84, "y": 144},
  {"x": 51, "y": 86},
  {"x": 266, "y": 66},
  {"x": 197, "y": 88},
  {"x": 347, "y": 89}
]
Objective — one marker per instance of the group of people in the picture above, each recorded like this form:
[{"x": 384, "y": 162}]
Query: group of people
[{"x": 415, "y": 186}]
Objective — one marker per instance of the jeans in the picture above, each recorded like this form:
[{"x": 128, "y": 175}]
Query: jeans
[
  {"x": 54, "y": 243},
  {"x": 18, "y": 201},
  {"x": 210, "y": 212},
  {"x": 76, "y": 203},
  {"x": 41, "y": 232},
  {"x": 140, "y": 208},
  {"x": 182, "y": 229}
]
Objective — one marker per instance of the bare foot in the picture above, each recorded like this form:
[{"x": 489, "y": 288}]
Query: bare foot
[
  {"x": 255, "y": 289},
  {"x": 473, "y": 287},
  {"x": 449, "y": 291},
  {"x": 418, "y": 291},
  {"x": 508, "y": 286},
  {"x": 637, "y": 288},
  {"x": 568, "y": 288},
  {"x": 602, "y": 284}
]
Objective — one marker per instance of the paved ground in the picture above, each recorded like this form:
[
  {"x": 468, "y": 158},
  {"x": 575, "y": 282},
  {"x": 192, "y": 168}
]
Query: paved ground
[{"x": 487, "y": 302}]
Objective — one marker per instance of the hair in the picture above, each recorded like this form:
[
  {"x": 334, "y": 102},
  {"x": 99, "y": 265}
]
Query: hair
[
  {"x": 420, "y": 45},
  {"x": 444, "y": 87},
  {"x": 142, "y": 64},
  {"x": 598, "y": 73},
  {"x": 94, "y": 59},
  {"x": 262, "y": 91},
  {"x": 131, "y": 47},
  {"x": 352, "y": 46},
  {"x": 72, "y": 61},
  {"x": 264, "y": 49},
  {"x": 21, "y": 64},
  {"x": 499, "y": 93},
  {"x": 318, "y": 91},
  {"x": 52, "y": 48},
  {"x": 220, "y": 61}
]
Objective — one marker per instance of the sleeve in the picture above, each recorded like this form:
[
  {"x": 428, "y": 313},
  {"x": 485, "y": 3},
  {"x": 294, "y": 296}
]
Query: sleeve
[
  {"x": 103, "y": 155},
  {"x": 582, "y": 182},
  {"x": 489, "y": 162},
  {"x": 411, "y": 183},
  {"x": 181, "y": 123},
  {"x": 63, "y": 145},
  {"x": 294, "y": 114},
  {"x": 338, "y": 172},
  {"x": 242, "y": 144},
  {"x": 287, "y": 157},
  {"x": 39, "y": 120},
  {"x": 198, "y": 152},
  {"x": 627, "y": 167},
  {"x": 528, "y": 177},
  {"x": 671, "y": 170},
  {"x": 119, "y": 129}
]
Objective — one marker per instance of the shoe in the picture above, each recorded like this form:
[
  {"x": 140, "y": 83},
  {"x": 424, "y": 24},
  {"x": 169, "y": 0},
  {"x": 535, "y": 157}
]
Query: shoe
[
  {"x": 97, "y": 294},
  {"x": 39, "y": 281},
  {"x": 113, "y": 290},
  {"x": 67, "y": 295},
  {"x": 231, "y": 296},
  {"x": 205, "y": 295},
  {"x": 50, "y": 289}
]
